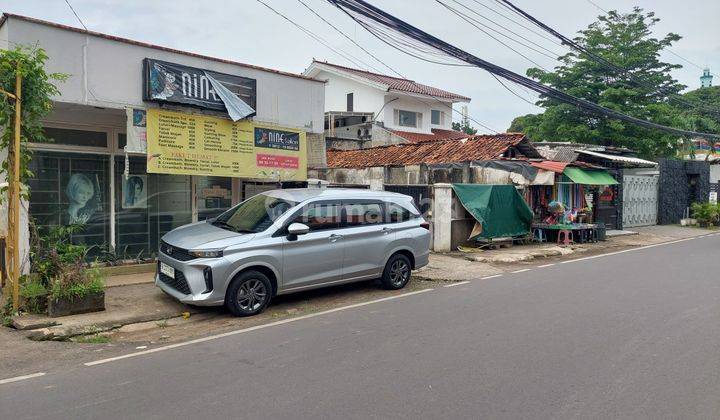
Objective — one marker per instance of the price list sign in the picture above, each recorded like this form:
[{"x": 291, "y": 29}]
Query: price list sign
[{"x": 189, "y": 144}]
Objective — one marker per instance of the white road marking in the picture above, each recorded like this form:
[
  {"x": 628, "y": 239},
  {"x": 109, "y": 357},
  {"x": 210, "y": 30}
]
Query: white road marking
[
  {"x": 256, "y": 327},
  {"x": 546, "y": 265},
  {"x": 456, "y": 284},
  {"x": 629, "y": 250},
  {"x": 490, "y": 277},
  {"x": 21, "y": 378},
  {"x": 520, "y": 271}
]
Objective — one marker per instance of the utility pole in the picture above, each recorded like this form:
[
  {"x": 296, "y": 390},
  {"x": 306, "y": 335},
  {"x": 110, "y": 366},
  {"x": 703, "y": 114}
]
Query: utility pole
[{"x": 13, "y": 246}]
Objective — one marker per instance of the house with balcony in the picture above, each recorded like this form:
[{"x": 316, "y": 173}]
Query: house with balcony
[{"x": 365, "y": 109}]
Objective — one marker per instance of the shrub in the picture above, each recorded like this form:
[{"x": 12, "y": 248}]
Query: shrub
[
  {"x": 34, "y": 296},
  {"x": 706, "y": 214}
]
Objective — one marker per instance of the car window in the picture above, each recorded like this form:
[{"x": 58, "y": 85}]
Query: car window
[
  {"x": 361, "y": 214},
  {"x": 319, "y": 216},
  {"x": 398, "y": 213},
  {"x": 254, "y": 214}
]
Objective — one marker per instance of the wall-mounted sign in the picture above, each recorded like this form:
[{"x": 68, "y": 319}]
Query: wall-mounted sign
[
  {"x": 176, "y": 83},
  {"x": 181, "y": 143},
  {"x": 276, "y": 139}
]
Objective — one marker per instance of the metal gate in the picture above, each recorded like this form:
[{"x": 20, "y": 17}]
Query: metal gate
[
  {"x": 640, "y": 200},
  {"x": 420, "y": 193}
]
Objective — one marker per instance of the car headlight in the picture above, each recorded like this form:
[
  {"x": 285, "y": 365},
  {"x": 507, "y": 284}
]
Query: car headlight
[{"x": 210, "y": 253}]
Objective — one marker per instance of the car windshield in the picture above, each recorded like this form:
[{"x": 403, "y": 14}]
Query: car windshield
[{"x": 254, "y": 214}]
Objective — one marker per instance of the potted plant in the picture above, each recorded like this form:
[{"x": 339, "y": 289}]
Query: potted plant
[{"x": 59, "y": 267}]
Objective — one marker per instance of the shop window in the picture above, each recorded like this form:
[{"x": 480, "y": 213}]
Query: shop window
[
  {"x": 214, "y": 196},
  {"x": 69, "y": 137},
  {"x": 72, "y": 188},
  {"x": 147, "y": 206}
]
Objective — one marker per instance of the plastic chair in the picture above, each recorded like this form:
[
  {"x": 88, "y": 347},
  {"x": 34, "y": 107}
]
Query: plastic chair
[{"x": 565, "y": 237}]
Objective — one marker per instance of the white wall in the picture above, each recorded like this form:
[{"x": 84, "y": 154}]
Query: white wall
[
  {"x": 411, "y": 103},
  {"x": 111, "y": 75},
  {"x": 365, "y": 98}
]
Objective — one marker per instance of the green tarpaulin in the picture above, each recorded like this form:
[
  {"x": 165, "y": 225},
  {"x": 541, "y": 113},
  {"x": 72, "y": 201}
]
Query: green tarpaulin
[
  {"x": 589, "y": 177},
  {"x": 499, "y": 209}
]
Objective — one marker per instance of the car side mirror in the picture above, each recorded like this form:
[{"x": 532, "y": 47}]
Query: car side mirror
[{"x": 298, "y": 229}]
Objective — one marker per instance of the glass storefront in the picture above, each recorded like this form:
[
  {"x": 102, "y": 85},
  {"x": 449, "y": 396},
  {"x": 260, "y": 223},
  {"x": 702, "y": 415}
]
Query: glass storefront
[
  {"x": 147, "y": 206},
  {"x": 79, "y": 180},
  {"x": 72, "y": 188},
  {"x": 214, "y": 195}
]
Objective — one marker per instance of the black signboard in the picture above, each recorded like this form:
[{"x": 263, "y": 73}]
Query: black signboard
[
  {"x": 176, "y": 83},
  {"x": 276, "y": 139}
]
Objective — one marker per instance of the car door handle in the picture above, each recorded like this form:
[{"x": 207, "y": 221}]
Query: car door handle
[
  {"x": 334, "y": 237},
  {"x": 386, "y": 230}
]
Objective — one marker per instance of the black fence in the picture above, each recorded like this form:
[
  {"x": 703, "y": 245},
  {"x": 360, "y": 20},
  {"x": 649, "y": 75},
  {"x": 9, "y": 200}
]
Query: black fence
[{"x": 422, "y": 194}]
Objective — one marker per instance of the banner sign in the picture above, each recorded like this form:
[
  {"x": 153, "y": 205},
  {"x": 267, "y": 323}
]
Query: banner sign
[
  {"x": 276, "y": 139},
  {"x": 176, "y": 83},
  {"x": 136, "y": 130},
  {"x": 187, "y": 144}
]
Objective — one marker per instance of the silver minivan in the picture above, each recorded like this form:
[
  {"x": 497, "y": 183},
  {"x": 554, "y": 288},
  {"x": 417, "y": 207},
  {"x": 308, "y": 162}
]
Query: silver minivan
[{"x": 289, "y": 240}]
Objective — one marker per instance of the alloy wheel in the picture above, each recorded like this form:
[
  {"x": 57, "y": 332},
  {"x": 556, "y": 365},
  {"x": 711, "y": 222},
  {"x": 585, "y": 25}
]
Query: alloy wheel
[
  {"x": 251, "y": 295},
  {"x": 399, "y": 272}
]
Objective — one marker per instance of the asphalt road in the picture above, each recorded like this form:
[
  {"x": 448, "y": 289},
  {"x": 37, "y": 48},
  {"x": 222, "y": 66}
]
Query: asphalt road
[{"x": 632, "y": 335}]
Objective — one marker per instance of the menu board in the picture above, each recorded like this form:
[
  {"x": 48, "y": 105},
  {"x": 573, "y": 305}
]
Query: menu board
[{"x": 190, "y": 144}]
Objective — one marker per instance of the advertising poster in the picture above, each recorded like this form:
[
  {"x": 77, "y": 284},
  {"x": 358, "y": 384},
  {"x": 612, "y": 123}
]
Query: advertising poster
[
  {"x": 136, "y": 130},
  {"x": 188, "y": 144},
  {"x": 134, "y": 192}
]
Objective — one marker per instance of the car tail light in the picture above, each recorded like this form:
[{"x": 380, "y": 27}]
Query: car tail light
[
  {"x": 207, "y": 274},
  {"x": 425, "y": 225}
]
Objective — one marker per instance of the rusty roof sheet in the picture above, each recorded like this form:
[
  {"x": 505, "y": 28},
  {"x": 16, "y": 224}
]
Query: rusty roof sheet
[
  {"x": 478, "y": 147},
  {"x": 437, "y": 134}
]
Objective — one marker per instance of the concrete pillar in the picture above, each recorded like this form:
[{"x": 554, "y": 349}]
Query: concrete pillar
[
  {"x": 442, "y": 217},
  {"x": 377, "y": 178}
]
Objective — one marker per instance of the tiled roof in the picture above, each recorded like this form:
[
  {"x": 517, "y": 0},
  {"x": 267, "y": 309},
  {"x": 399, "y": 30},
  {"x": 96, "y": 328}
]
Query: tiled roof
[
  {"x": 550, "y": 165},
  {"x": 478, "y": 147},
  {"x": 437, "y": 134},
  {"x": 399, "y": 84}
]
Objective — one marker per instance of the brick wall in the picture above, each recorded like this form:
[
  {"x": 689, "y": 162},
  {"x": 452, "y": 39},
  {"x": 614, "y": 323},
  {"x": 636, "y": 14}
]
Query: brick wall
[{"x": 675, "y": 191}]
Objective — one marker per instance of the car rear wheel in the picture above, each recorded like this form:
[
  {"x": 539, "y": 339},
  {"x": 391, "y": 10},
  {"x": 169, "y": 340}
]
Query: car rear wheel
[
  {"x": 248, "y": 294},
  {"x": 397, "y": 272}
]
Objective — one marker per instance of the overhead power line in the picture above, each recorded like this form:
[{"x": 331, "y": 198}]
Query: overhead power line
[
  {"x": 75, "y": 13},
  {"x": 364, "y": 13},
  {"x": 388, "y": 66},
  {"x": 639, "y": 81},
  {"x": 668, "y": 49}
]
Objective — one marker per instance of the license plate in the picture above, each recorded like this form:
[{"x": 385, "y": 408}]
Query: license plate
[{"x": 167, "y": 270}]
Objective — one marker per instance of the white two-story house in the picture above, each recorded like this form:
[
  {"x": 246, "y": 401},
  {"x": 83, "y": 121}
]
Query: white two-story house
[{"x": 364, "y": 109}]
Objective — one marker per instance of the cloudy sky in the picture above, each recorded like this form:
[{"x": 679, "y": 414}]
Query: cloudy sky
[{"x": 247, "y": 31}]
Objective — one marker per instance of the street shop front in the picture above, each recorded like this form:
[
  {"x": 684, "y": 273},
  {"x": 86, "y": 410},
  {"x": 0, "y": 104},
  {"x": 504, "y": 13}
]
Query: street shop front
[{"x": 145, "y": 139}]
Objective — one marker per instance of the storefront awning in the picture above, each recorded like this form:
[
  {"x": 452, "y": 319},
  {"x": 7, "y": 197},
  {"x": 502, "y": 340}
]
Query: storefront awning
[{"x": 589, "y": 177}]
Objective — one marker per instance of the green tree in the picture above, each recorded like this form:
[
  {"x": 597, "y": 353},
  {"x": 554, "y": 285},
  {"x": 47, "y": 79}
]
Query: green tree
[
  {"x": 465, "y": 127},
  {"x": 625, "y": 40},
  {"x": 37, "y": 90}
]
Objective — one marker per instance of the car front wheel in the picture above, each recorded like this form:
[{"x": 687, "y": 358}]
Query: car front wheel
[
  {"x": 397, "y": 272},
  {"x": 248, "y": 294}
]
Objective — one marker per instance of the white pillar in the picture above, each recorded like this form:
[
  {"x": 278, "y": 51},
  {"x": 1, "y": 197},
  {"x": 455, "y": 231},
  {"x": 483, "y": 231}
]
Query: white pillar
[
  {"x": 377, "y": 178},
  {"x": 442, "y": 217}
]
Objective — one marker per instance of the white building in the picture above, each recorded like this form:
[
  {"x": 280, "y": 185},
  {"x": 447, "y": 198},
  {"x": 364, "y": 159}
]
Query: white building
[
  {"x": 90, "y": 129},
  {"x": 354, "y": 98}
]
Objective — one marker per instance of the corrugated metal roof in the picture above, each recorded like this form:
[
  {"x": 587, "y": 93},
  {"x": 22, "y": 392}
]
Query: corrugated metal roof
[
  {"x": 478, "y": 147},
  {"x": 399, "y": 84},
  {"x": 550, "y": 165},
  {"x": 616, "y": 158}
]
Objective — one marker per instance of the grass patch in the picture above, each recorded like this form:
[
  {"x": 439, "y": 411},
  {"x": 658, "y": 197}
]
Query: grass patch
[{"x": 92, "y": 339}]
